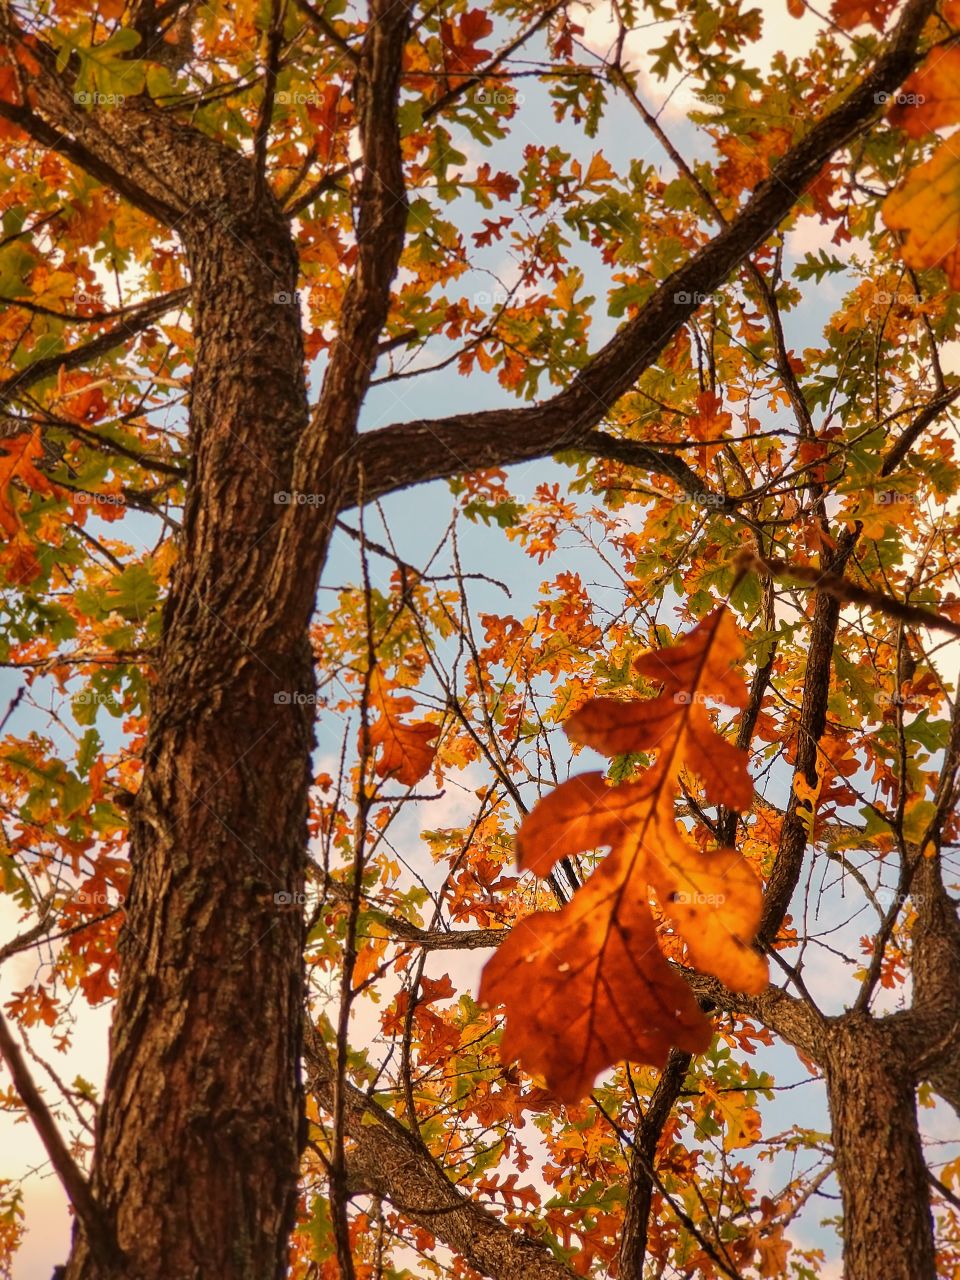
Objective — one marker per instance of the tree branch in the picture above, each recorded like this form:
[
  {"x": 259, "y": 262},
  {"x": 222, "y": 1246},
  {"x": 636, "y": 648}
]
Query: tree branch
[
  {"x": 405, "y": 454},
  {"x": 97, "y": 1230},
  {"x": 847, "y": 592},
  {"x": 636, "y": 1220},
  {"x": 387, "y": 1161},
  {"x": 134, "y": 321}
]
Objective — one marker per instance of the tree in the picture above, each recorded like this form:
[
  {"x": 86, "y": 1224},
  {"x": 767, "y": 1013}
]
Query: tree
[{"x": 217, "y": 161}]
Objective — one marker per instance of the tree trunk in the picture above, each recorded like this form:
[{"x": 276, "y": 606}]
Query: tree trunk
[
  {"x": 197, "y": 1145},
  {"x": 887, "y": 1225}
]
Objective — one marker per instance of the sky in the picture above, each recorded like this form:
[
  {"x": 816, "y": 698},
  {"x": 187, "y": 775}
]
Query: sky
[{"x": 416, "y": 521}]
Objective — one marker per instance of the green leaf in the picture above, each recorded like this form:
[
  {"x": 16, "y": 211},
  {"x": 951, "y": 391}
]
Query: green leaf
[
  {"x": 90, "y": 748},
  {"x": 133, "y": 593},
  {"x": 817, "y": 267}
]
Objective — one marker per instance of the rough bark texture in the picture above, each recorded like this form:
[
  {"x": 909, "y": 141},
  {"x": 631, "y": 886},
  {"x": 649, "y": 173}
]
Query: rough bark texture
[
  {"x": 887, "y": 1227},
  {"x": 198, "y": 1141},
  {"x": 197, "y": 1150}
]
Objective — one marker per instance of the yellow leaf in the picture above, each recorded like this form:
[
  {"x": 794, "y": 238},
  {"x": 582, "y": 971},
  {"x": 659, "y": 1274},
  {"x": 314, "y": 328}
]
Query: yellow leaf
[
  {"x": 598, "y": 170},
  {"x": 741, "y": 1122},
  {"x": 927, "y": 208}
]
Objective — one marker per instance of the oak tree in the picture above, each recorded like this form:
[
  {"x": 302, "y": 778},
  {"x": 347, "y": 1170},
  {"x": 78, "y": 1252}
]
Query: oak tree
[{"x": 533, "y": 1037}]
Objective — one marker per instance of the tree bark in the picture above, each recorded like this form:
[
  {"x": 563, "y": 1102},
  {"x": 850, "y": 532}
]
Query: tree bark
[
  {"x": 887, "y": 1225},
  {"x": 197, "y": 1145},
  {"x": 200, "y": 1135}
]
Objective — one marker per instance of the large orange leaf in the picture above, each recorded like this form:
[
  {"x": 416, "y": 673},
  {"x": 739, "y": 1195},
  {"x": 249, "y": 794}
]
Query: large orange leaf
[
  {"x": 583, "y": 813},
  {"x": 676, "y": 725},
  {"x": 930, "y": 98},
  {"x": 927, "y": 208},
  {"x": 586, "y": 986},
  {"x": 406, "y": 750}
]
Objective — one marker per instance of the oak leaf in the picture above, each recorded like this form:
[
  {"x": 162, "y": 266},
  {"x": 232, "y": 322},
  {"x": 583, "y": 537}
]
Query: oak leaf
[
  {"x": 930, "y": 98},
  {"x": 406, "y": 749},
  {"x": 710, "y": 422},
  {"x": 848, "y": 14},
  {"x": 587, "y": 986},
  {"x": 927, "y": 208},
  {"x": 927, "y": 205},
  {"x": 17, "y": 459},
  {"x": 460, "y": 52}
]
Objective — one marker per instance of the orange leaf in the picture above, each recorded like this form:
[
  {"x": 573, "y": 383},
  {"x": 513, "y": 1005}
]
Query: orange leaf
[
  {"x": 8, "y": 84},
  {"x": 583, "y": 813},
  {"x": 709, "y": 422},
  {"x": 406, "y": 750},
  {"x": 459, "y": 41},
  {"x": 19, "y": 559},
  {"x": 714, "y": 900},
  {"x": 587, "y": 985},
  {"x": 676, "y": 724},
  {"x": 930, "y": 98},
  {"x": 854, "y": 13},
  {"x": 927, "y": 208},
  {"x": 16, "y": 462}
]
